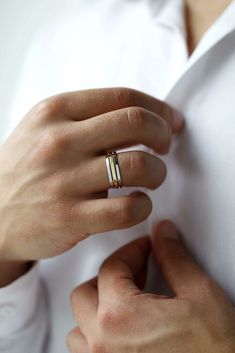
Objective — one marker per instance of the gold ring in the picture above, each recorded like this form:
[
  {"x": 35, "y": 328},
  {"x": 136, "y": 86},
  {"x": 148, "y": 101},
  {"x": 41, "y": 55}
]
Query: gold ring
[{"x": 113, "y": 169}]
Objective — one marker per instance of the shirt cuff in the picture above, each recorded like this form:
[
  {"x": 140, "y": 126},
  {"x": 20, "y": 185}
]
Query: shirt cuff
[{"x": 18, "y": 302}]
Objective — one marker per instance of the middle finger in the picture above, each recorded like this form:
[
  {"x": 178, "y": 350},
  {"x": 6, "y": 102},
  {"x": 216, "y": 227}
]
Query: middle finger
[{"x": 126, "y": 127}]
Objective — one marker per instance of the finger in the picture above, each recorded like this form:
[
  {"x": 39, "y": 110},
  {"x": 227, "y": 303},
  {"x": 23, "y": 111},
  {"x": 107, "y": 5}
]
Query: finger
[
  {"x": 125, "y": 127},
  {"x": 81, "y": 105},
  {"x": 84, "y": 300},
  {"x": 109, "y": 214},
  {"x": 76, "y": 342},
  {"x": 117, "y": 274},
  {"x": 180, "y": 270},
  {"x": 137, "y": 168}
]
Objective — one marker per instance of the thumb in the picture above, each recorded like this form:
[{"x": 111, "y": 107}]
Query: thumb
[
  {"x": 178, "y": 267},
  {"x": 117, "y": 274}
]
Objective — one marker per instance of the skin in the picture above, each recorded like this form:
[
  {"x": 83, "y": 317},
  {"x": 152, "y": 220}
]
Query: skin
[
  {"x": 200, "y": 15},
  {"x": 32, "y": 222},
  {"x": 53, "y": 178},
  {"x": 114, "y": 315},
  {"x": 112, "y": 312}
]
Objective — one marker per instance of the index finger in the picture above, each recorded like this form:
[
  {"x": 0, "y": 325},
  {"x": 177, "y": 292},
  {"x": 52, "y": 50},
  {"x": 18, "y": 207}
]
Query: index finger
[
  {"x": 85, "y": 104},
  {"x": 117, "y": 274}
]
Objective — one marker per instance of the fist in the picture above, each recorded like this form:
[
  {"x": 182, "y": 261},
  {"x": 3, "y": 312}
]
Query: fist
[
  {"x": 114, "y": 314},
  {"x": 53, "y": 177}
]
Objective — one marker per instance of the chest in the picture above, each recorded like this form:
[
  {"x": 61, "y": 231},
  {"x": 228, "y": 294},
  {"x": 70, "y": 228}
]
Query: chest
[
  {"x": 199, "y": 16},
  {"x": 198, "y": 194}
]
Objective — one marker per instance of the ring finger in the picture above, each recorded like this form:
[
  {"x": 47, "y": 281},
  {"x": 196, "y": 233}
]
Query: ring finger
[{"x": 138, "y": 169}]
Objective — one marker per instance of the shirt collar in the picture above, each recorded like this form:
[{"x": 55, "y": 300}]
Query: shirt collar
[
  {"x": 169, "y": 13},
  {"x": 223, "y": 27}
]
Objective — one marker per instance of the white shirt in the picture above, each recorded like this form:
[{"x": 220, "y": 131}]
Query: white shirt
[{"x": 140, "y": 44}]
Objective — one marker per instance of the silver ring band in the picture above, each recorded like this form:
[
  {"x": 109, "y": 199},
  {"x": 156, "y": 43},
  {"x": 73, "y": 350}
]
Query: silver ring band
[{"x": 113, "y": 169}]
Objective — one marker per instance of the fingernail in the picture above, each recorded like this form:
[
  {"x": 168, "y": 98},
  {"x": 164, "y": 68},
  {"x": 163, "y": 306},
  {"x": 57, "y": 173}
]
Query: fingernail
[
  {"x": 168, "y": 230},
  {"x": 178, "y": 121}
]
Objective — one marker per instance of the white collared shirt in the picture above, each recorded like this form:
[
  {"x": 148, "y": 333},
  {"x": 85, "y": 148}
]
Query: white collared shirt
[{"x": 139, "y": 44}]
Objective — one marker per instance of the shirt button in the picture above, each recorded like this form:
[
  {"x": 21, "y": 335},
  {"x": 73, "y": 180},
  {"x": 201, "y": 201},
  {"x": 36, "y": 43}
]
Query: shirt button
[{"x": 7, "y": 310}]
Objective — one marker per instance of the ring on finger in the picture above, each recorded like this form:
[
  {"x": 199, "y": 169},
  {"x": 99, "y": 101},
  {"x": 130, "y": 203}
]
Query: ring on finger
[{"x": 113, "y": 169}]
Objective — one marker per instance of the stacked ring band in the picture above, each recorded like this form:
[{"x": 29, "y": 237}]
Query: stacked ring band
[{"x": 113, "y": 170}]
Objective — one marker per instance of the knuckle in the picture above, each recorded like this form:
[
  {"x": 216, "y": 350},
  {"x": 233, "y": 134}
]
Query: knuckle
[
  {"x": 125, "y": 96},
  {"x": 62, "y": 212},
  {"x": 125, "y": 212},
  {"x": 147, "y": 170},
  {"x": 97, "y": 347},
  {"x": 167, "y": 135},
  {"x": 174, "y": 255},
  {"x": 138, "y": 161},
  {"x": 57, "y": 140},
  {"x": 135, "y": 118},
  {"x": 110, "y": 318},
  {"x": 106, "y": 319},
  {"x": 109, "y": 265},
  {"x": 166, "y": 111},
  {"x": 49, "y": 108},
  {"x": 138, "y": 164},
  {"x": 57, "y": 183},
  {"x": 52, "y": 143}
]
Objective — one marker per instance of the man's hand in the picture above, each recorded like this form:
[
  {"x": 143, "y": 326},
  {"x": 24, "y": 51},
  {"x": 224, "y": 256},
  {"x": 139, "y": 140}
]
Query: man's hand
[
  {"x": 53, "y": 177},
  {"x": 115, "y": 316}
]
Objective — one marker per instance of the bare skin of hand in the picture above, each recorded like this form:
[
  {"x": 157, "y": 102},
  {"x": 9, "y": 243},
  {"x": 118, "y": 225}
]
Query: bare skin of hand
[
  {"x": 115, "y": 316},
  {"x": 53, "y": 178}
]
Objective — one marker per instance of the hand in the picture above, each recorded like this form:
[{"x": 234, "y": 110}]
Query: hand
[
  {"x": 115, "y": 316},
  {"x": 53, "y": 178}
]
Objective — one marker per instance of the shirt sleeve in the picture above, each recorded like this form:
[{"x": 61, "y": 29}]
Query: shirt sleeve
[{"x": 23, "y": 315}]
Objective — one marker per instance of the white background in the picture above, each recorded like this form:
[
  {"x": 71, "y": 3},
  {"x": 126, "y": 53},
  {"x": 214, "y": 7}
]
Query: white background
[{"x": 19, "y": 22}]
